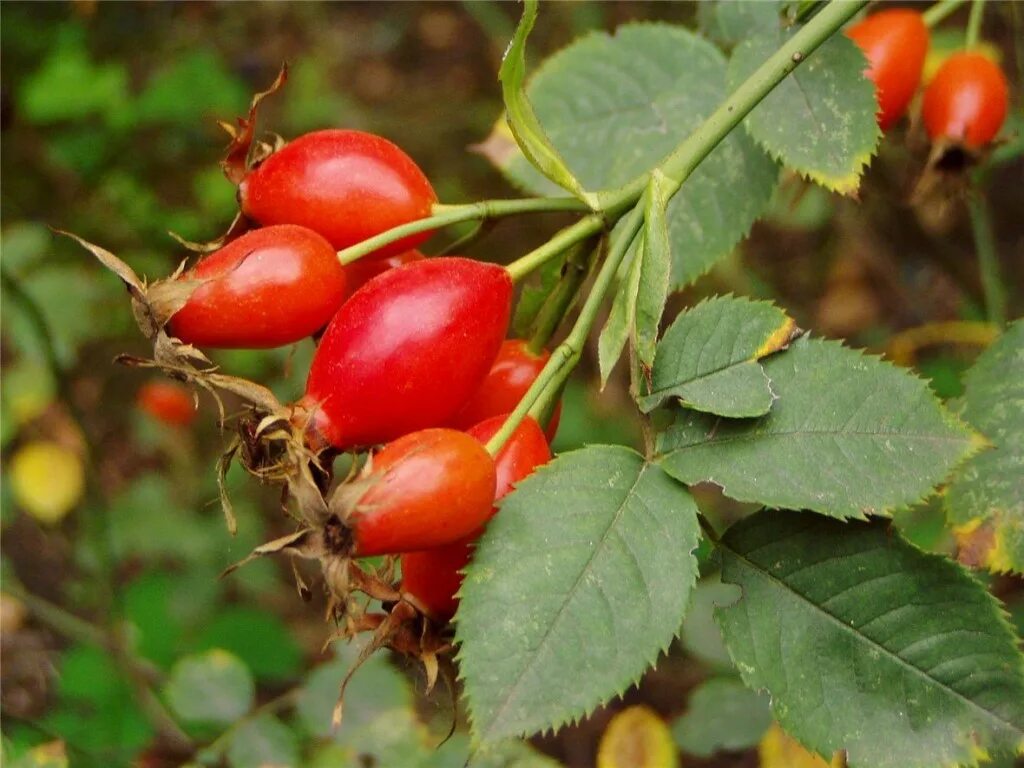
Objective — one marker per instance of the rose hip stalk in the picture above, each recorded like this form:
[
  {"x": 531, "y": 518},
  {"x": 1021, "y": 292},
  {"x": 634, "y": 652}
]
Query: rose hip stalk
[{"x": 405, "y": 352}]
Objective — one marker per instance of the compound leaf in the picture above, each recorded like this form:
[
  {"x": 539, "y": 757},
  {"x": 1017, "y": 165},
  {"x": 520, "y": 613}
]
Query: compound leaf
[
  {"x": 848, "y": 435},
  {"x": 615, "y": 105},
  {"x": 820, "y": 120},
  {"x": 986, "y": 500},
  {"x": 578, "y": 584},
  {"x": 868, "y": 645},
  {"x": 707, "y": 359}
]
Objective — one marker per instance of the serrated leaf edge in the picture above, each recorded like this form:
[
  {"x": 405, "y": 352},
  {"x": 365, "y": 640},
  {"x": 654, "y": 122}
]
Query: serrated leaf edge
[
  {"x": 572, "y": 718},
  {"x": 978, "y": 754}
]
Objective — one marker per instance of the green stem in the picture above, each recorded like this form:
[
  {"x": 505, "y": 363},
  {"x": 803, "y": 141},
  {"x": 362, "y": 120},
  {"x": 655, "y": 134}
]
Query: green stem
[
  {"x": 445, "y": 215},
  {"x": 58, "y": 619},
  {"x": 939, "y": 11},
  {"x": 577, "y": 266},
  {"x": 212, "y": 753},
  {"x": 708, "y": 529},
  {"x": 974, "y": 24},
  {"x": 568, "y": 237},
  {"x": 988, "y": 258},
  {"x": 677, "y": 167},
  {"x": 740, "y": 102},
  {"x": 567, "y": 354}
]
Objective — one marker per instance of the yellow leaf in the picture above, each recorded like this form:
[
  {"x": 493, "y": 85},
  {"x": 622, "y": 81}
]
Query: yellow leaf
[
  {"x": 637, "y": 738},
  {"x": 47, "y": 479},
  {"x": 778, "y": 750}
]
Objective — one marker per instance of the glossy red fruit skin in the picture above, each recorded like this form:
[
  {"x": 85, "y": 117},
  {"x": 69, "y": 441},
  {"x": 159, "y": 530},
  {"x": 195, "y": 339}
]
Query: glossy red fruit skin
[
  {"x": 270, "y": 287},
  {"x": 431, "y": 576},
  {"x": 428, "y": 488},
  {"x": 966, "y": 101},
  {"x": 346, "y": 185},
  {"x": 167, "y": 402},
  {"x": 895, "y": 42},
  {"x": 406, "y": 351},
  {"x": 364, "y": 270},
  {"x": 514, "y": 370}
]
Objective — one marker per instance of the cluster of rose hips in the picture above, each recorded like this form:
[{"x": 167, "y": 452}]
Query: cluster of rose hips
[
  {"x": 412, "y": 370},
  {"x": 964, "y": 104}
]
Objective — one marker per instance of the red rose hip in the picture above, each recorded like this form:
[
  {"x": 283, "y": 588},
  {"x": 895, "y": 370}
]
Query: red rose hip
[
  {"x": 406, "y": 351},
  {"x": 431, "y": 577},
  {"x": 966, "y": 101},
  {"x": 425, "y": 489},
  {"x": 346, "y": 185},
  {"x": 270, "y": 287},
  {"x": 895, "y": 42}
]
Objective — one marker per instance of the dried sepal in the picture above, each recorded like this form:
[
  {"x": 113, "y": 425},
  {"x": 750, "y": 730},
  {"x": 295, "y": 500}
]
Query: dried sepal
[
  {"x": 302, "y": 543},
  {"x": 223, "y": 465},
  {"x": 237, "y": 157},
  {"x": 239, "y": 226}
]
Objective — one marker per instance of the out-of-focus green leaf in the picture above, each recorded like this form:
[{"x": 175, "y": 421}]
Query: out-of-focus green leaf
[
  {"x": 722, "y": 714},
  {"x": 264, "y": 741},
  {"x": 592, "y": 417},
  {"x": 700, "y": 634},
  {"x": 69, "y": 86},
  {"x": 96, "y": 707},
  {"x": 145, "y": 603},
  {"x": 379, "y": 720},
  {"x": 986, "y": 500},
  {"x": 728, "y": 22},
  {"x": 210, "y": 687},
  {"x": 258, "y": 638},
  {"x": 190, "y": 89}
]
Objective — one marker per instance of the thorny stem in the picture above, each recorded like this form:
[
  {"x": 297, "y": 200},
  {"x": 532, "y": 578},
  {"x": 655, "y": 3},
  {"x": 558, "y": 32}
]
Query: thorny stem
[
  {"x": 939, "y": 11},
  {"x": 730, "y": 113},
  {"x": 988, "y": 258},
  {"x": 974, "y": 24},
  {"x": 677, "y": 167},
  {"x": 445, "y": 215},
  {"x": 708, "y": 529}
]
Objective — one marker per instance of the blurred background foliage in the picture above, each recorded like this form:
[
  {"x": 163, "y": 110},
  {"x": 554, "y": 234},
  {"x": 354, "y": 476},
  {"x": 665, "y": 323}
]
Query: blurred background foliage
[{"x": 113, "y": 616}]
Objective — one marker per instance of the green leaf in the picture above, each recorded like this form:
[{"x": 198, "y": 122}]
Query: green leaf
[
  {"x": 707, "y": 359},
  {"x": 258, "y": 638},
  {"x": 986, "y": 500},
  {"x": 261, "y": 742},
  {"x": 210, "y": 687},
  {"x": 722, "y": 714},
  {"x": 576, "y": 587},
  {"x": 189, "y": 89},
  {"x": 848, "y": 435},
  {"x": 522, "y": 120},
  {"x": 820, "y": 120},
  {"x": 615, "y": 106},
  {"x": 655, "y": 269},
  {"x": 379, "y": 720},
  {"x": 69, "y": 86},
  {"x": 728, "y": 22},
  {"x": 869, "y": 645},
  {"x": 700, "y": 635},
  {"x": 621, "y": 318}
]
